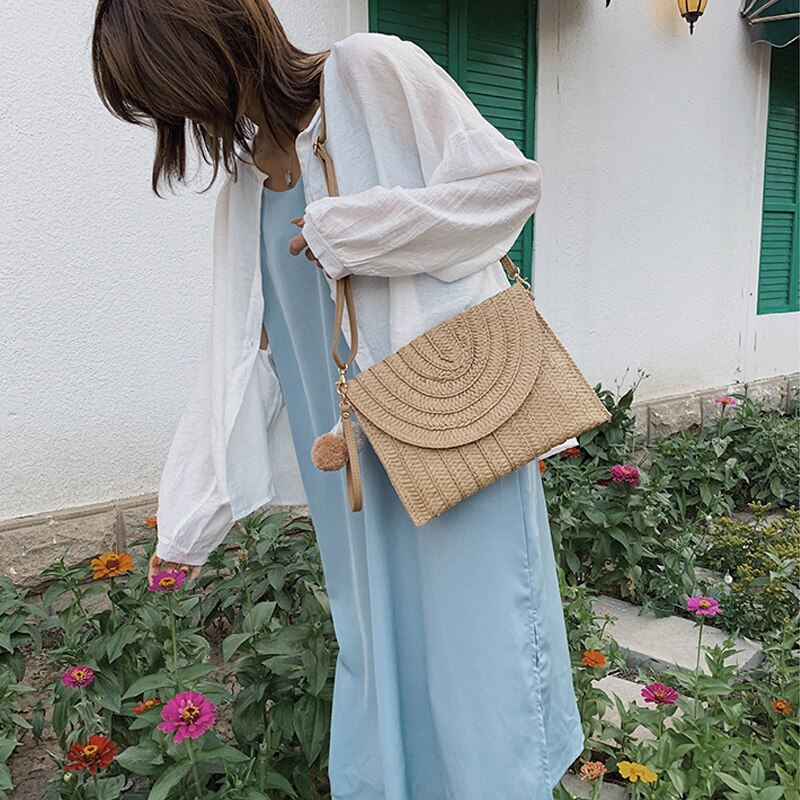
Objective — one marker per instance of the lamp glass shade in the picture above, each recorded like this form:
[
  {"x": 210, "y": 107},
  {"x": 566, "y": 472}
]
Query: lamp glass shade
[{"x": 694, "y": 7}]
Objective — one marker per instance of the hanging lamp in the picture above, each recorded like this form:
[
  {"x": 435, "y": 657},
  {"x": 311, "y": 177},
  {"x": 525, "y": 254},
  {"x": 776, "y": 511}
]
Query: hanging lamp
[{"x": 691, "y": 10}]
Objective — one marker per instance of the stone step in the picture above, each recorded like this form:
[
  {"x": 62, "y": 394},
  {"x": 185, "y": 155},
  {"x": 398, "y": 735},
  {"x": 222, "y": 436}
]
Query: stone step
[
  {"x": 583, "y": 789},
  {"x": 657, "y": 643},
  {"x": 629, "y": 692}
]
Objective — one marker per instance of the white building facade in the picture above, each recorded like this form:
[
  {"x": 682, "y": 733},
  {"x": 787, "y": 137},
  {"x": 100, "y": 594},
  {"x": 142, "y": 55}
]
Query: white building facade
[{"x": 666, "y": 237}]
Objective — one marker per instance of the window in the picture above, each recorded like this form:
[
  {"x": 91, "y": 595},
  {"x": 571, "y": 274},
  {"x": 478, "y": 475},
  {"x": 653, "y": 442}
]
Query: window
[
  {"x": 778, "y": 289},
  {"x": 488, "y": 48}
]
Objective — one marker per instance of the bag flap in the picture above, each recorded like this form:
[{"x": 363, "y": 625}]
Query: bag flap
[{"x": 458, "y": 381}]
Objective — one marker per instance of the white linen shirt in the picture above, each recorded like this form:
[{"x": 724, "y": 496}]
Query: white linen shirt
[{"x": 431, "y": 195}]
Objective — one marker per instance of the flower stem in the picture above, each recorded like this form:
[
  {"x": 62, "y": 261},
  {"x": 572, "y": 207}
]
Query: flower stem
[
  {"x": 190, "y": 750},
  {"x": 78, "y": 596},
  {"x": 96, "y": 786},
  {"x": 697, "y": 668},
  {"x": 173, "y": 632}
]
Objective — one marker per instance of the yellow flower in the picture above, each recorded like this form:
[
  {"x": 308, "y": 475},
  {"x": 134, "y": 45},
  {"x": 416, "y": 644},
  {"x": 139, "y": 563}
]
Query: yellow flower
[
  {"x": 111, "y": 564},
  {"x": 634, "y": 771}
]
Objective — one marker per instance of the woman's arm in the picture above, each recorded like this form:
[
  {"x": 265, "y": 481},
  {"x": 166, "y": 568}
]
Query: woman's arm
[{"x": 479, "y": 187}]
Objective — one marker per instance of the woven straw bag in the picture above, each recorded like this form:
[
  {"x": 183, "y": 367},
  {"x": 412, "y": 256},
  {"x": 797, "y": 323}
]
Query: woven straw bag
[{"x": 465, "y": 402}]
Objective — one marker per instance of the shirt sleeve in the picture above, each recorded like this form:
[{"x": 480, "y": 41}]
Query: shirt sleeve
[
  {"x": 479, "y": 189},
  {"x": 193, "y": 514}
]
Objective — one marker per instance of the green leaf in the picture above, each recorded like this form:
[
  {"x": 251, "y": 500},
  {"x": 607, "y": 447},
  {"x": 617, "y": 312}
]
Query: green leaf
[
  {"x": 117, "y": 641},
  {"x": 287, "y": 641},
  {"x": 5, "y": 641},
  {"x": 170, "y": 777},
  {"x": 196, "y": 671},
  {"x": 5, "y": 778},
  {"x": 105, "y": 690},
  {"x": 233, "y": 642},
  {"x": 141, "y": 759},
  {"x": 259, "y": 616},
  {"x": 274, "y": 780},
  {"x": 148, "y": 683},
  {"x": 311, "y": 717},
  {"x": 596, "y": 516},
  {"x": 7, "y": 747},
  {"x": 225, "y": 753}
]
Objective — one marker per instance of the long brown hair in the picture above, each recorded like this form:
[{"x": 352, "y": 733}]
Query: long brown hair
[{"x": 174, "y": 65}]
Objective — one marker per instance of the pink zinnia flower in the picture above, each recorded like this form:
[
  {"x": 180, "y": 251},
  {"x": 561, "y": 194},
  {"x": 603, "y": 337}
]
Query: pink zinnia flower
[
  {"x": 703, "y": 605},
  {"x": 625, "y": 472},
  {"x": 78, "y": 676},
  {"x": 725, "y": 400},
  {"x": 659, "y": 694},
  {"x": 188, "y": 714},
  {"x": 167, "y": 580}
]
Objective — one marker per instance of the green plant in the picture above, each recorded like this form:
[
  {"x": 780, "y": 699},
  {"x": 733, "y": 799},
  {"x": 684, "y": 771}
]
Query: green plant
[
  {"x": 761, "y": 556},
  {"x": 150, "y": 648},
  {"x": 766, "y": 443},
  {"x": 18, "y": 629},
  {"x": 704, "y": 734}
]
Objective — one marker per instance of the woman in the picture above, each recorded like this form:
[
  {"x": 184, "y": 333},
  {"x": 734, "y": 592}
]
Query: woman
[{"x": 453, "y": 679}]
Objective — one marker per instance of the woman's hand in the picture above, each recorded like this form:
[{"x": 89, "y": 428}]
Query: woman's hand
[
  {"x": 298, "y": 243},
  {"x": 157, "y": 564}
]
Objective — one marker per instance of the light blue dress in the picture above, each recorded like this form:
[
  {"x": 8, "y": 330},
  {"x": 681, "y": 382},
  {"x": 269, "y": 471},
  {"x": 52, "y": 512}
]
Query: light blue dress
[{"x": 453, "y": 679}]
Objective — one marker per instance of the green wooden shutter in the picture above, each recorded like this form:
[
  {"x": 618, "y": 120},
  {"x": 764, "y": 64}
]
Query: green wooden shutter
[
  {"x": 489, "y": 49},
  {"x": 778, "y": 288}
]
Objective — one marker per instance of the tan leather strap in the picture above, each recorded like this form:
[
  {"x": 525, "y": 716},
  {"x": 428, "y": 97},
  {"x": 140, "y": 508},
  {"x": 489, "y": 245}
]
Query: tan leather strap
[{"x": 344, "y": 295}]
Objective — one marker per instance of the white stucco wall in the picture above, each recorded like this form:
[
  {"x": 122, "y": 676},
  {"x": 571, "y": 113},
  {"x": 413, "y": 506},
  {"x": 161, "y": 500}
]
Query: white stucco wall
[
  {"x": 105, "y": 290},
  {"x": 651, "y": 143},
  {"x": 647, "y": 236}
]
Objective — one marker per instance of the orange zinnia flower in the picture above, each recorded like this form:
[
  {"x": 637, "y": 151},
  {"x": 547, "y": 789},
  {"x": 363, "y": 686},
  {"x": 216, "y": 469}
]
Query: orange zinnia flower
[
  {"x": 151, "y": 522},
  {"x": 781, "y": 706},
  {"x": 146, "y": 705},
  {"x": 541, "y": 466},
  {"x": 111, "y": 565},
  {"x": 96, "y": 755},
  {"x": 593, "y": 658}
]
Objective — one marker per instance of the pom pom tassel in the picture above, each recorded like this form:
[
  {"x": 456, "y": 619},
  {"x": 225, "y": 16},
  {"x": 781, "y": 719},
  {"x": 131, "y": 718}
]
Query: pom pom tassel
[{"x": 329, "y": 452}]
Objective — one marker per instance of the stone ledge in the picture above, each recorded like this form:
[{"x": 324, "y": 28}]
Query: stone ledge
[
  {"x": 667, "y": 415},
  {"x": 30, "y": 544}
]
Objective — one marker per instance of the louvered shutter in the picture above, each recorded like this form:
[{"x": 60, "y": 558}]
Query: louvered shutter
[
  {"x": 424, "y": 22},
  {"x": 778, "y": 288},
  {"x": 489, "y": 49}
]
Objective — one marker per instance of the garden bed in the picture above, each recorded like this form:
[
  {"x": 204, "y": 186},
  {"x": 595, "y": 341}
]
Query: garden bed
[{"x": 637, "y": 524}]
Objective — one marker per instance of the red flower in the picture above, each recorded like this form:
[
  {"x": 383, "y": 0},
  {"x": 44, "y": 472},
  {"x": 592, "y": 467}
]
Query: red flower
[
  {"x": 660, "y": 694},
  {"x": 96, "y": 755},
  {"x": 572, "y": 452},
  {"x": 626, "y": 473},
  {"x": 146, "y": 705},
  {"x": 781, "y": 706}
]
